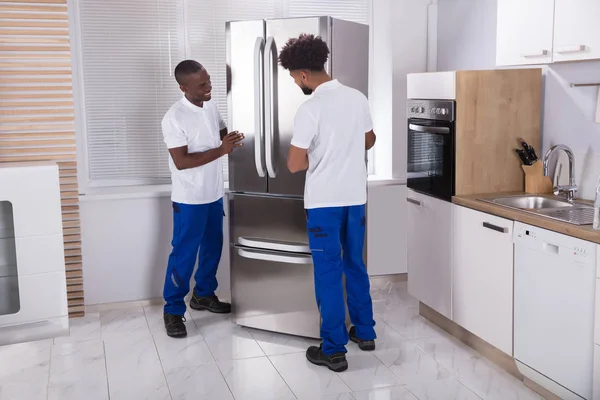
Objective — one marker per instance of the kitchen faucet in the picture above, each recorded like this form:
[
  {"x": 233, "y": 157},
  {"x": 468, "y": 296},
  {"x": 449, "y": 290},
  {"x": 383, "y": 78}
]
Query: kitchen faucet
[{"x": 570, "y": 189}]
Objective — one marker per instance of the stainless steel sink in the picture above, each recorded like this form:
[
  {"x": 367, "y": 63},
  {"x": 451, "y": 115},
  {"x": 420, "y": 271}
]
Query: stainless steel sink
[
  {"x": 576, "y": 213},
  {"x": 531, "y": 202}
]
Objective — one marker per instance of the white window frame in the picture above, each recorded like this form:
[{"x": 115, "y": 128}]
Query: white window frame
[{"x": 86, "y": 185}]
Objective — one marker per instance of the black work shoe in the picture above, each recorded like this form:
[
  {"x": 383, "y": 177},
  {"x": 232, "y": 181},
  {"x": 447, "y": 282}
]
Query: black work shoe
[
  {"x": 174, "y": 324},
  {"x": 336, "y": 362},
  {"x": 365, "y": 345},
  {"x": 210, "y": 303}
]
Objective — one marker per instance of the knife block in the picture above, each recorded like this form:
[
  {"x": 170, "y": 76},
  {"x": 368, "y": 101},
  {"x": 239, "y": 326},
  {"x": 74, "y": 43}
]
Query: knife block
[{"x": 535, "y": 180}]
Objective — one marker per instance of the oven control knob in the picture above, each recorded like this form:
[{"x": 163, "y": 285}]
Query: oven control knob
[
  {"x": 420, "y": 110},
  {"x": 444, "y": 111}
]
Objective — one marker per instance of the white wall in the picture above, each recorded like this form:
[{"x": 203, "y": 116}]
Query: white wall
[
  {"x": 126, "y": 244},
  {"x": 467, "y": 40}
]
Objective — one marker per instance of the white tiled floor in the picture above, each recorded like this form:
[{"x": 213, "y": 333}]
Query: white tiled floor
[{"x": 124, "y": 354}]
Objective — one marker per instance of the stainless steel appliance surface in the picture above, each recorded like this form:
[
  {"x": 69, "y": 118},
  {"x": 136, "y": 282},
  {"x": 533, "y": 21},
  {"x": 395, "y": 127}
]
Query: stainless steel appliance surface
[
  {"x": 431, "y": 147},
  {"x": 271, "y": 266}
]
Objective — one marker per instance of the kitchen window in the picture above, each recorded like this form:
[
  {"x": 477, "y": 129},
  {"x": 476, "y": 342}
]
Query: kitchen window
[{"x": 124, "y": 53}]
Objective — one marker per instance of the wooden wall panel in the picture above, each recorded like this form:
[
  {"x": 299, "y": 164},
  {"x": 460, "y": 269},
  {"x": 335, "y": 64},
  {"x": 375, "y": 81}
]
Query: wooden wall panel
[
  {"x": 493, "y": 109},
  {"x": 37, "y": 110}
]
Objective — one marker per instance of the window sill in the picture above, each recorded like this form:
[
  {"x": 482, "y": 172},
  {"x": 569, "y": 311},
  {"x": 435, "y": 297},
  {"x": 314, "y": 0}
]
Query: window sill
[{"x": 158, "y": 191}]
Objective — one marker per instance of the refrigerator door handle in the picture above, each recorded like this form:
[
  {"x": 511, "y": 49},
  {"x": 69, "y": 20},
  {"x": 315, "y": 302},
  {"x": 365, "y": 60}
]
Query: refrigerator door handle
[
  {"x": 274, "y": 245},
  {"x": 270, "y": 68},
  {"x": 259, "y": 139},
  {"x": 279, "y": 258}
]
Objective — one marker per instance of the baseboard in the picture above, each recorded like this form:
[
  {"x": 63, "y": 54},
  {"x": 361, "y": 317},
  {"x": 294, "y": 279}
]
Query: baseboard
[{"x": 224, "y": 295}]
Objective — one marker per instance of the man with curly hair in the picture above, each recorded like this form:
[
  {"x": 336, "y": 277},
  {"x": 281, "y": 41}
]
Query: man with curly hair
[{"x": 332, "y": 131}]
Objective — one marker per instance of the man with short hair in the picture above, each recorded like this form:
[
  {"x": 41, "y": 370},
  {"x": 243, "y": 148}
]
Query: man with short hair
[
  {"x": 197, "y": 139},
  {"x": 332, "y": 131}
]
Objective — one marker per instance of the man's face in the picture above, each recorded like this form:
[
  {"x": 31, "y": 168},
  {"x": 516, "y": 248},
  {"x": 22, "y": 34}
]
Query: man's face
[
  {"x": 197, "y": 86},
  {"x": 301, "y": 78}
]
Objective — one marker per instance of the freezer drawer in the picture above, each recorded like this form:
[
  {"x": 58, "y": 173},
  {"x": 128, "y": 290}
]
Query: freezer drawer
[
  {"x": 274, "y": 291},
  {"x": 269, "y": 218}
]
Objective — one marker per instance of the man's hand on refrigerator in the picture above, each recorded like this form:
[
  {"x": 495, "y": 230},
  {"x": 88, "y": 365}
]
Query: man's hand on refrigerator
[{"x": 231, "y": 141}]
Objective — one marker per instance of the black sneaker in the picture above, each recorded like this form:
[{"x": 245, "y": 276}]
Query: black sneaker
[
  {"x": 365, "y": 345},
  {"x": 336, "y": 362},
  {"x": 174, "y": 324},
  {"x": 210, "y": 303}
]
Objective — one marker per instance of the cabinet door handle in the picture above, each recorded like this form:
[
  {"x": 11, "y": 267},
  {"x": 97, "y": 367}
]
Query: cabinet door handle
[
  {"x": 495, "y": 227},
  {"x": 542, "y": 53},
  {"x": 571, "y": 49},
  {"x": 413, "y": 201}
]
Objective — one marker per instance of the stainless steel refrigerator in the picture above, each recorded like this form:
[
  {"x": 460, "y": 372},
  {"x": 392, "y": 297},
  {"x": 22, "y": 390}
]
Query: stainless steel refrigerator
[{"x": 271, "y": 266}]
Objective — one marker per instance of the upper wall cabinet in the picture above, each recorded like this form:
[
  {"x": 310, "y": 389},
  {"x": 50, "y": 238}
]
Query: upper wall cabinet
[
  {"x": 576, "y": 30},
  {"x": 524, "y": 34},
  {"x": 546, "y": 31}
]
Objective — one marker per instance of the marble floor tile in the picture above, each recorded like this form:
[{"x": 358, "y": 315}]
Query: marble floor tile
[
  {"x": 306, "y": 380},
  {"x": 392, "y": 393},
  {"x": 423, "y": 376},
  {"x": 200, "y": 382},
  {"x": 233, "y": 344},
  {"x": 254, "y": 379},
  {"x": 78, "y": 371},
  {"x": 366, "y": 372},
  {"x": 82, "y": 329},
  {"x": 274, "y": 343},
  {"x": 385, "y": 333},
  {"x": 341, "y": 396},
  {"x": 411, "y": 325},
  {"x": 182, "y": 352},
  {"x": 124, "y": 322},
  {"x": 455, "y": 356},
  {"x": 134, "y": 369},
  {"x": 24, "y": 370}
]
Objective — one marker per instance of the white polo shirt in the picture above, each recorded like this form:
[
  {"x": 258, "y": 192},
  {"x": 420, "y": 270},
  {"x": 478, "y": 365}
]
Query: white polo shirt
[
  {"x": 198, "y": 128},
  {"x": 332, "y": 126}
]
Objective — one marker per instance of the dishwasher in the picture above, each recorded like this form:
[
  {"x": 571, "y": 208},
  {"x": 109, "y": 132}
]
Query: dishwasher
[{"x": 554, "y": 289}]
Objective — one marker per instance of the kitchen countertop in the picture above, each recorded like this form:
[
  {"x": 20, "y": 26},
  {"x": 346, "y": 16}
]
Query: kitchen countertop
[{"x": 585, "y": 232}]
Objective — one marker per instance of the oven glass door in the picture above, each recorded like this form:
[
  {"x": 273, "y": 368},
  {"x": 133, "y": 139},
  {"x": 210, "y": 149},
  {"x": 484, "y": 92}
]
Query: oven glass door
[{"x": 431, "y": 157}]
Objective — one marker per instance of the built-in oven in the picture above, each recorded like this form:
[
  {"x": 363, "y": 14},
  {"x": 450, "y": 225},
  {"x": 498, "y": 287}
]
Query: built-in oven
[{"x": 431, "y": 147}]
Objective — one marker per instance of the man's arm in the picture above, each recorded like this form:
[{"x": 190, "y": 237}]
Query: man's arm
[
  {"x": 305, "y": 129},
  {"x": 370, "y": 139},
  {"x": 297, "y": 159},
  {"x": 186, "y": 160}
]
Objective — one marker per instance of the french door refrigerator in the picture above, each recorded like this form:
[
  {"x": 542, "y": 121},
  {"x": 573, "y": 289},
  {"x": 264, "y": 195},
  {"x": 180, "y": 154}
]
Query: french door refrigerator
[{"x": 271, "y": 266}]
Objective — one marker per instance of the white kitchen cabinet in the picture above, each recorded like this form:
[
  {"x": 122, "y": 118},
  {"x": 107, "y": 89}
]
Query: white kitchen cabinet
[
  {"x": 525, "y": 31},
  {"x": 576, "y": 30},
  {"x": 386, "y": 229},
  {"x": 482, "y": 276},
  {"x": 429, "y": 251},
  {"x": 597, "y": 317}
]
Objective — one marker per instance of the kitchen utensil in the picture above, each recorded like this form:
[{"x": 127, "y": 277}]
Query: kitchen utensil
[
  {"x": 530, "y": 151},
  {"x": 522, "y": 156}
]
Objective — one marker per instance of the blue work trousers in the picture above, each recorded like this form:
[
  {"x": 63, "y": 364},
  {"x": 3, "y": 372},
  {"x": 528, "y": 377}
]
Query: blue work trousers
[
  {"x": 336, "y": 236},
  {"x": 197, "y": 235}
]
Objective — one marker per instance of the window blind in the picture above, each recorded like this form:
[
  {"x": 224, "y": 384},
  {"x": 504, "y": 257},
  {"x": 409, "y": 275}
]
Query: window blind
[
  {"x": 206, "y": 38},
  {"x": 129, "y": 50},
  {"x": 350, "y": 10},
  {"x": 36, "y": 110}
]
